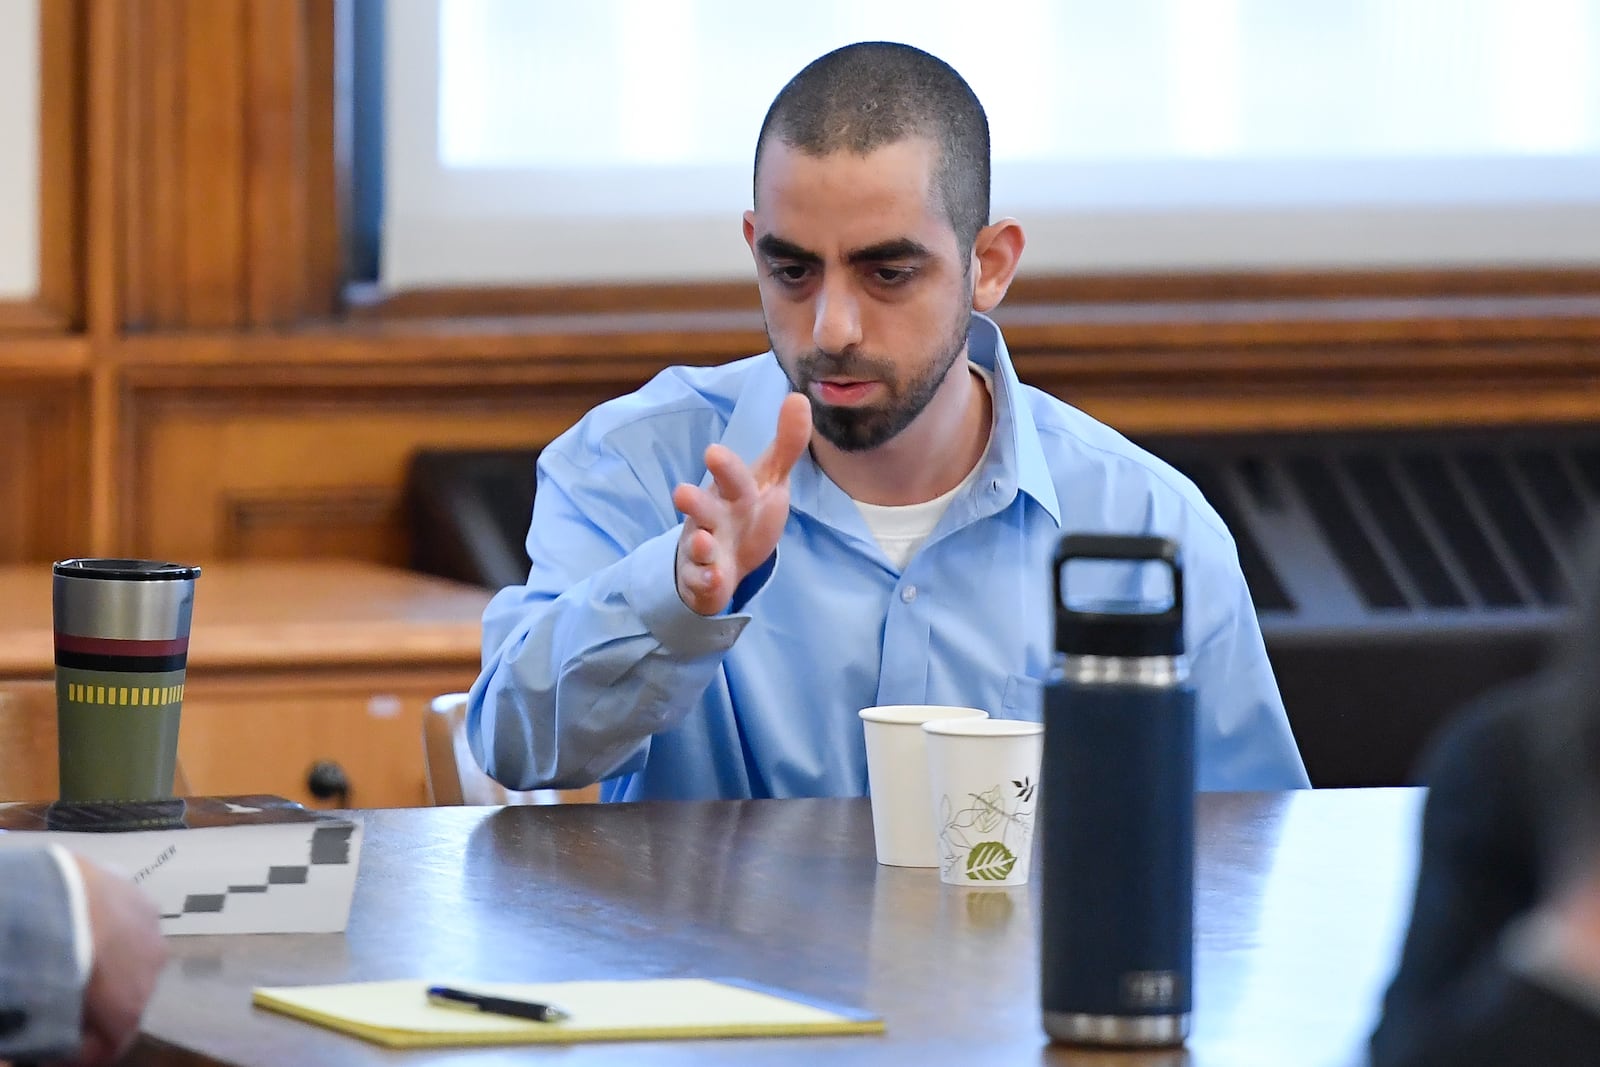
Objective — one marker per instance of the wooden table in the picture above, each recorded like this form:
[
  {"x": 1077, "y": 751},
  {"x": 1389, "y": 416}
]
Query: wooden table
[
  {"x": 1301, "y": 902},
  {"x": 292, "y": 664}
]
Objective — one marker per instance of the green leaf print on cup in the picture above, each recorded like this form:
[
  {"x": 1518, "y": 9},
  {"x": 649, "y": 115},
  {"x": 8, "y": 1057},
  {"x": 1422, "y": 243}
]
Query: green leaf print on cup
[
  {"x": 990, "y": 861},
  {"x": 981, "y": 840}
]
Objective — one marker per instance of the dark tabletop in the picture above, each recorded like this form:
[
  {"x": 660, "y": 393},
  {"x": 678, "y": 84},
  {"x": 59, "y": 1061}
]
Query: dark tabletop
[{"x": 1301, "y": 898}]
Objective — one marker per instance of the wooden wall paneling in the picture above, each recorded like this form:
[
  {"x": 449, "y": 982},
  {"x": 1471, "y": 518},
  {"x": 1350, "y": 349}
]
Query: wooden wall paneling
[
  {"x": 276, "y": 160},
  {"x": 354, "y": 521},
  {"x": 225, "y": 162},
  {"x": 108, "y": 112},
  {"x": 151, "y": 152},
  {"x": 160, "y": 173},
  {"x": 254, "y": 471},
  {"x": 44, "y": 464},
  {"x": 124, "y": 146},
  {"x": 362, "y": 721},
  {"x": 327, "y": 26},
  {"x": 105, "y": 120},
  {"x": 61, "y": 159},
  {"x": 269, "y": 446},
  {"x": 215, "y": 168}
]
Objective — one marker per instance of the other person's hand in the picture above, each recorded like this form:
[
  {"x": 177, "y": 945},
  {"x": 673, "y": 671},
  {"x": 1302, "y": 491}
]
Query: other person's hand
[
  {"x": 731, "y": 527},
  {"x": 128, "y": 956}
]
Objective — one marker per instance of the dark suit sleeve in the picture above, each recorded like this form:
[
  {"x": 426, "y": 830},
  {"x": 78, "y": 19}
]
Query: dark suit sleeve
[
  {"x": 1495, "y": 1017},
  {"x": 1480, "y": 860},
  {"x": 41, "y": 994}
]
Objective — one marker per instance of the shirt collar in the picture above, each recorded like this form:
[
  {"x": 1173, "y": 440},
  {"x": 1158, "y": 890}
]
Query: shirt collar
[
  {"x": 1016, "y": 457},
  {"x": 1014, "y": 462}
]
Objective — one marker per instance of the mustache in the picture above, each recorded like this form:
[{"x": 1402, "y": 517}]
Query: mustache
[{"x": 816, "y": 364}]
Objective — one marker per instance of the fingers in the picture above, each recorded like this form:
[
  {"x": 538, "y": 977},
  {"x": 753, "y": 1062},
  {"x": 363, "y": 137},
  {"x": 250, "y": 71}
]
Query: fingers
[
  {"x": 735, "y": 482},
  {"x": 703, "y": 510},
  {"x": 794, "y": 434},
  {"x": 702, "y": 584},
  {"x": 732, "y": 526},
  {"x": 700, "y": 548}
]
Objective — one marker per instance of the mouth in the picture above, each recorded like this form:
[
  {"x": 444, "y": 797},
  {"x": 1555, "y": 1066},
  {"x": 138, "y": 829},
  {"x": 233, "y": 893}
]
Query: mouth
[{"x": 841, "y": 392}]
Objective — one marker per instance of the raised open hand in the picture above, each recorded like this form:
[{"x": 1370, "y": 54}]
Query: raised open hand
[{"x": 732, "y": 527}]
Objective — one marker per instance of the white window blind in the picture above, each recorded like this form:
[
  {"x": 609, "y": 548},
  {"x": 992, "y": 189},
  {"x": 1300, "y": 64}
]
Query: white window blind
[
  {"x": 19, "y": 149},
  {"x": 536, "y": 141}
]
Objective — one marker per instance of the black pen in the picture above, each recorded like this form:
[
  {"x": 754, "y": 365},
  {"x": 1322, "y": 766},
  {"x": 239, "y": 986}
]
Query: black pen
[{"x": 446, "y": 997}]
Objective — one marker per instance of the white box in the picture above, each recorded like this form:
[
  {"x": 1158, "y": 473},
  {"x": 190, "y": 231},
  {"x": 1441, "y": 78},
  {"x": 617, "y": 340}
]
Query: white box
[{"x": 213, "y": 865}]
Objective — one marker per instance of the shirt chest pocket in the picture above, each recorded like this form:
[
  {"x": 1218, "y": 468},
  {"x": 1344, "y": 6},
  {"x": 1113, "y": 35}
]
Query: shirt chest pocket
[{"x": 1022, "y": 698}]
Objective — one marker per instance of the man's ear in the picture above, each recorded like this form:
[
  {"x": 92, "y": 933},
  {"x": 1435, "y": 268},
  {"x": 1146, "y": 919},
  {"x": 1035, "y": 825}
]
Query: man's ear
[
  {"x": 750, "y": 230},
  {"x": 995, "y": 255}
]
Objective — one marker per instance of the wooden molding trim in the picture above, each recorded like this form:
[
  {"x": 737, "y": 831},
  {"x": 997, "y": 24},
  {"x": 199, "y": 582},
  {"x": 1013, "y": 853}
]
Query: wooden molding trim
[
  {"x": 368, "y": 301},
  {"x": 1304, "y": 336},
  {"x": 1253, "y": 383},
  {"x": 33, "y": 316},
  {"x": 47, "y": 354},
  {"x": 1233, "y": 286},
  {"x": 365, "y": 300},
  {"x": 262, "y": 525}
]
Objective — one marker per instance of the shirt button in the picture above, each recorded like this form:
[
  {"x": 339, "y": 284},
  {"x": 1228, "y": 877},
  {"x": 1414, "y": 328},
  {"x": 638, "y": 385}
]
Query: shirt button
[{"x": 908, "y": 594}]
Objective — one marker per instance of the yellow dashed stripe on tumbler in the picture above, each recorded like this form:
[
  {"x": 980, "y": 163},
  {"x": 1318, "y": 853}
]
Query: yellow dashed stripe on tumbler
[{"x": 145, "y": 696}]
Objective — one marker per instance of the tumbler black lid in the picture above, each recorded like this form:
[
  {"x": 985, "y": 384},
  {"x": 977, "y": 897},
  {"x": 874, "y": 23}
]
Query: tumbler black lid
[
  {"x": 127, "y": 570},
  {"x": 1132, "y": 628}
]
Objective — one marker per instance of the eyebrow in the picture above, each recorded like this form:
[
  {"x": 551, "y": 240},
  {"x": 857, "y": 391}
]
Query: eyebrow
[
  {"x": 777, "y": 248},
  {"x": 898, "y": 248}
]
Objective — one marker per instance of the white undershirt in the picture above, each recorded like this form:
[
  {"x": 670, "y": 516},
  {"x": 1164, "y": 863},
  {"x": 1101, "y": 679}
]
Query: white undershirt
[{"x": 901, "y": 529}]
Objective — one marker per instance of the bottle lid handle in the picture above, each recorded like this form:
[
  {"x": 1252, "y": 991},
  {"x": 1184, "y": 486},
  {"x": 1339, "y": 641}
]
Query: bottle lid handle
[{"x": 1121, "y": 616}]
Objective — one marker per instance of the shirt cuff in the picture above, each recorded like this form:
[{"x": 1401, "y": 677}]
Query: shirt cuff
[
  {"x": 78, "y": 908},
  {"x": 652, "y": 589}
]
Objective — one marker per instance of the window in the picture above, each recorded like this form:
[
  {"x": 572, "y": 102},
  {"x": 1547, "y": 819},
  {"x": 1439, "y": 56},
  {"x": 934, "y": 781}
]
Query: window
[{"x": 548, "y": 142}]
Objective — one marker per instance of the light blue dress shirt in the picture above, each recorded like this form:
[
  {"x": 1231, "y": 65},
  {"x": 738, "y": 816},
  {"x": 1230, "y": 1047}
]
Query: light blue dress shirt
[{"x": 596, "y": 670}]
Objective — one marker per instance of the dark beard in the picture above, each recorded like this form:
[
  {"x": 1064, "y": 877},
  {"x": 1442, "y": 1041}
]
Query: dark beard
[{"x": 860, "y": 429}]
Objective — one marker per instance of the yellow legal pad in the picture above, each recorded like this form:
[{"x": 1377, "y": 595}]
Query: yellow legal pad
[{"x": 397, "y": 1014}]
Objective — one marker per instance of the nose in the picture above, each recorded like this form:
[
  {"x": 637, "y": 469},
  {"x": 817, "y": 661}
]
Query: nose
[{"x": 838, "y": 318}]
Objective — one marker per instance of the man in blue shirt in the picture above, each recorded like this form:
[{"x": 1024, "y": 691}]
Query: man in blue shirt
[{"x": 711, "y": 602}]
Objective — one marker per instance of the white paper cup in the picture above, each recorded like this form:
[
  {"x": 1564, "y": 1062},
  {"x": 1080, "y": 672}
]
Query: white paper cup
[
  {"x": 897, "y": 775},
  {"x": 983, "y": 781}
]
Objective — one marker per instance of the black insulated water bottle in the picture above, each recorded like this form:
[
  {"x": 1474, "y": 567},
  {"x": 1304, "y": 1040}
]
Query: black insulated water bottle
[{"x": 1117, "y": 805}]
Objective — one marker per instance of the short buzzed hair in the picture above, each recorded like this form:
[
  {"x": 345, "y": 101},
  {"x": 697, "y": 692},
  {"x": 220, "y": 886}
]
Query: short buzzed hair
[{"x": 864, "y": 96}]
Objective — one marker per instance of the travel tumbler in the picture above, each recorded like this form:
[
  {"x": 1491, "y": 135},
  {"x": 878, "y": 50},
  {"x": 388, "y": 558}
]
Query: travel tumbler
[
  {"x": 1116, "y": 794},
  {"x": 122, "y": 654}
]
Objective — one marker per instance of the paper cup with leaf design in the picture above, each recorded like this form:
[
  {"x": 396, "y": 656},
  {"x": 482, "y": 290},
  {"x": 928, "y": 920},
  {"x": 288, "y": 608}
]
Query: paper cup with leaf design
[{"x": 983, "y": 777}]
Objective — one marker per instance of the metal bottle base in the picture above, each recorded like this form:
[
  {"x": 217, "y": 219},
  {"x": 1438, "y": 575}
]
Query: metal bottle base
[{"x": 1126, "y": 1031}]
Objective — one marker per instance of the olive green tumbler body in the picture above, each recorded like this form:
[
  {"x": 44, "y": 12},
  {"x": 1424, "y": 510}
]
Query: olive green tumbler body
[{"x": 122, "y": 653}]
